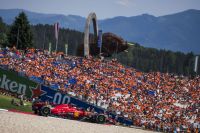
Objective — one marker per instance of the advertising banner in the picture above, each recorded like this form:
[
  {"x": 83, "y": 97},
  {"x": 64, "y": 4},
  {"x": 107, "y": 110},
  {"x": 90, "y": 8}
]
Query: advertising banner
[{"x": 11, "y": 82}]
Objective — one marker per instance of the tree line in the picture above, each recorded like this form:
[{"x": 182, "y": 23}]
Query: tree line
[
  {"x": 21, "y": 34},
  {"x": 151, "y": 59},
  {"x": 44, "y": 34}
]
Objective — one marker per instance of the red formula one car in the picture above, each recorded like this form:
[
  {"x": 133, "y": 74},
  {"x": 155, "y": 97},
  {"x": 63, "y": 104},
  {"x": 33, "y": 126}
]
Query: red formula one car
[{"x": 67, "y": 111}]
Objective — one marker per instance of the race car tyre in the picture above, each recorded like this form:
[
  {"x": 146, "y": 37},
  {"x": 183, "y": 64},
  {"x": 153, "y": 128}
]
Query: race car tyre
[
  {"x": 45, "y": 111},
  {"x": 101, "y": 119}
]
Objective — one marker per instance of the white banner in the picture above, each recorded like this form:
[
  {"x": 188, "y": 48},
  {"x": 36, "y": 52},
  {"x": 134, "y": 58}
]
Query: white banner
[
  {"x": 66, "y": 48},
  {"x": 49, "y": 48},
  {"x": 56, "y": 26},
  {"x": 196, "y": 63}
]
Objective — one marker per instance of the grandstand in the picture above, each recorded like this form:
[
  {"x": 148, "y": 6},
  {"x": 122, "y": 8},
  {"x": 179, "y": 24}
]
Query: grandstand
[{"x": 157, "y": 101}]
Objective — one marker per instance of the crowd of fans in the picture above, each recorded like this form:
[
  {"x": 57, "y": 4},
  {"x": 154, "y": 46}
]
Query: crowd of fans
[{"x": 154, "y": 100}]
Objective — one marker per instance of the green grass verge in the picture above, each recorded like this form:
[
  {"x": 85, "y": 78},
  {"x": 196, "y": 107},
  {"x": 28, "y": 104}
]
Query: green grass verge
[{"x": 5, "y": 103}]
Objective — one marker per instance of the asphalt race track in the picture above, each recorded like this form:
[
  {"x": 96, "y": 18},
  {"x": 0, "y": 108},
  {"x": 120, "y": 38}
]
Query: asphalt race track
[{"x": 12, "y": 122}]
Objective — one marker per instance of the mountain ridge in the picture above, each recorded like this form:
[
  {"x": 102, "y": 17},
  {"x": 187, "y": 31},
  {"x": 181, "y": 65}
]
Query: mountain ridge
[{"x": 176, "y": 32}]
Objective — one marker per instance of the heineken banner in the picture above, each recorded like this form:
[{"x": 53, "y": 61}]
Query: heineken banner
[{"x": 10, "y": 81}]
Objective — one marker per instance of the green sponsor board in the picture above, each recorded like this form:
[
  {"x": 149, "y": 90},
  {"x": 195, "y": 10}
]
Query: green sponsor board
[{"x": 10, "y": 81}]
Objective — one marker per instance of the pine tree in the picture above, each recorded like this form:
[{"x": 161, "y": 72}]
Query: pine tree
[{"x": 20, "y": 33}]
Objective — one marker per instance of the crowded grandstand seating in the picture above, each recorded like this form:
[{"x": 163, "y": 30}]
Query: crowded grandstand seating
[{"x": 152, "y": 100}]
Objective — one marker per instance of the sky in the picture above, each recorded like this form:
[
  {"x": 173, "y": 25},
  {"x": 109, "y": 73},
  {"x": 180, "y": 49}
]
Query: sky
[{"x": 103, "y": 8}]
